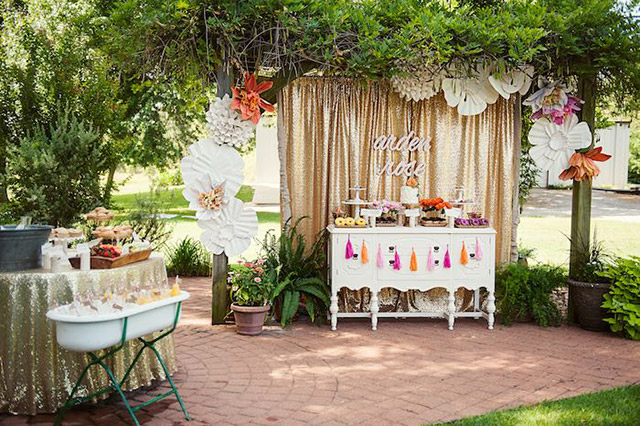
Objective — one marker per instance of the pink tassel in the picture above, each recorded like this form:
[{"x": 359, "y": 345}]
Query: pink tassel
[
  {"x": 348, "y": 252},
  {"x": 396, "y": 264},
  {"x": 380, "y": 260},
  {"x": 430, "y": 263},
  {"x": 447, "y": 259},
  {"x": 478, "y": 250}
]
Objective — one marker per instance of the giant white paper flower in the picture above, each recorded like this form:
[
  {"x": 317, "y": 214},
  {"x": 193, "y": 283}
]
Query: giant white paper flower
[
  {"x": 470, "y": 94},
  {"x": 512, "y": 81},
  {"x": 232, "y": 231},
  {"x": 225, "y": 125},
  {"x": 553, "y": 144},
  {"x": 206, "y": 197},
  {"x": 219, "y": 162},
  {"x": 418, "y": 86}
]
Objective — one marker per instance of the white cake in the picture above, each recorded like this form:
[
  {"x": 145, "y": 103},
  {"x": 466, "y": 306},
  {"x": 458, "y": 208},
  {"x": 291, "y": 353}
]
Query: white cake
[{"x": 408, "y": 195}]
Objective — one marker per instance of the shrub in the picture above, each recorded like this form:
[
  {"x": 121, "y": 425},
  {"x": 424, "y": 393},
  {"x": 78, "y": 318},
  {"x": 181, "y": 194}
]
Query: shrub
[
  {"x": 146, "y": 221},
  {"x": 298, "y": 271},
  {"x": 527, "y": 291},
  {"x": 54, "y": 173},
  {"x": 622, "y": 301},
  {"x": 188, "y": 258}
]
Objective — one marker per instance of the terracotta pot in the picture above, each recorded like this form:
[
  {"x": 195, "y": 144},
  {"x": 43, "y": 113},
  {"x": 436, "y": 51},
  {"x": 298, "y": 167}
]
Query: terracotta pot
[
  {"x": 249, "y": 319},
  {"x": 586, "y": 299}
]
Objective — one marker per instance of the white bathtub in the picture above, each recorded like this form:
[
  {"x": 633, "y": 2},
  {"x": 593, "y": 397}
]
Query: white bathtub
[{"x": 94, "y": 332}]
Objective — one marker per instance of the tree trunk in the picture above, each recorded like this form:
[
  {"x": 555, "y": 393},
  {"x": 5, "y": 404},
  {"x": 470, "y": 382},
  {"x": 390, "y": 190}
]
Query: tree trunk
[
  {"x": 108, "y": 188},
  {"x": 581, "y": 202},
  {"x": 219, "y": 293}
]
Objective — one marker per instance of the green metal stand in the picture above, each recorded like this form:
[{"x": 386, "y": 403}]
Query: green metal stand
[{"x": 117, "y": 385}]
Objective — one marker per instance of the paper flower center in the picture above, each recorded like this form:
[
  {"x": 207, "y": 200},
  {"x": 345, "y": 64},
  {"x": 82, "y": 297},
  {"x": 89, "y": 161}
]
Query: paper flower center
[
  {"x": 558, "y": 140},
  {"x": 213, "y": 199}
]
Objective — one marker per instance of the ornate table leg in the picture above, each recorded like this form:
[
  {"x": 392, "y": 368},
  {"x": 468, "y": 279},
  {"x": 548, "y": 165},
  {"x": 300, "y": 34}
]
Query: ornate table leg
[
  {"x": 374, "y": 310},
  {"x": 491, "y": 308},
  {"x": 476, "y": 302},
  {"x": 452, "y": 309},
  {"x": 334, "y": 311}
]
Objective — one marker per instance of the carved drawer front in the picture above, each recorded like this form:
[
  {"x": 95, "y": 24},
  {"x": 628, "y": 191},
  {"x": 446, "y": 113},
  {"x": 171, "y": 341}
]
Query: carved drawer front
[
  {"x": 474, "y": 268},
  {"x": 404, "y": 246},
  {"x": 352, "y": 272}
]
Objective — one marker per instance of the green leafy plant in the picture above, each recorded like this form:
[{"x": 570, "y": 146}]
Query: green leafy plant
[
  {"x": 147, "y": 223},
  {"x": 188, "y": 258},
  {"x": 54, "y": 172},
  {"x": 622, "y": 301},
  {"x": 298, "y": 271},
  {"x": 250, "y": 285},
  {"x": 595, "y": 258},
  {"x": 526, "y": 291}
]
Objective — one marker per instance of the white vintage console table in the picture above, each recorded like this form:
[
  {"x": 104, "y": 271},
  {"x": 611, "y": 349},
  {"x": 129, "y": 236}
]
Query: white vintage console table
[{"x": 354, "y": 274}]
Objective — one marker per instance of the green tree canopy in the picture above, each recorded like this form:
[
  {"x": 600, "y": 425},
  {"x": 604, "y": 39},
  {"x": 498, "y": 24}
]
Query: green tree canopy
[{"x": 373, "y": 39}]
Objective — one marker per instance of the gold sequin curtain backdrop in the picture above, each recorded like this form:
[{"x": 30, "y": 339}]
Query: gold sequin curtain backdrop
[{"x": 326, "y": 131}]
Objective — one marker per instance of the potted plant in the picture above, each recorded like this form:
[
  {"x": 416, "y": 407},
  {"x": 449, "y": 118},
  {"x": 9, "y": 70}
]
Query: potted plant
[
  {"x": 433, "y": 209},
  {"x": 588, "y": 286},
  {"x": 390, "y": 212},
  {"x": 250, "y": 293}
]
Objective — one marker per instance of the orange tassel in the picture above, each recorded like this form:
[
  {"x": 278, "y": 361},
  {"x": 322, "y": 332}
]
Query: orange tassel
[
  {"x": 364, "y": 256},
  {"x": 413, "y": 265},
  {"x": 464, "y": 257}
]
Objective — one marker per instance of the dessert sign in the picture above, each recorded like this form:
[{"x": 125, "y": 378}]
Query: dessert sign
[{"x": 409, "y": 142}]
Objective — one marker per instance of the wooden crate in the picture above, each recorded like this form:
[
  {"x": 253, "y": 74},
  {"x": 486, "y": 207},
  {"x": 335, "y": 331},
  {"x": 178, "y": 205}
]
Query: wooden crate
[{"x": 99, "y": 262}]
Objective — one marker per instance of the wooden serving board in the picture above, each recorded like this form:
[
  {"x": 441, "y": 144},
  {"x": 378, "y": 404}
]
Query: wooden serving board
[
  {"x": 471, "y": 227},
  {"x": 99, "y": 262},
  {"x": 352, "y": 226},
  {"x": 387, "y": 224}
]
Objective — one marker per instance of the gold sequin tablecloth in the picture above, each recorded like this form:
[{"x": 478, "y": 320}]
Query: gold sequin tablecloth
[{"x": 36, "y": 374}]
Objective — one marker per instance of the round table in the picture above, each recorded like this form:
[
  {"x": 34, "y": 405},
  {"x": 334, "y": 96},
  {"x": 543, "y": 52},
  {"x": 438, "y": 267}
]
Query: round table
[{"x": 37, "y": 374}]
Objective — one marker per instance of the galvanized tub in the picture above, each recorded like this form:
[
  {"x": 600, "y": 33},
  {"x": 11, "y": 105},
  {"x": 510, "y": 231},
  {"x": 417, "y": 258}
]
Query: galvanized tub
[{"x": 20, "y": 249}]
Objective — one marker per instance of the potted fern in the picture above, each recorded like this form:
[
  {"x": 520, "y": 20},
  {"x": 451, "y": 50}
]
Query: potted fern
[
  {"x": 297, "y": 269},
  {"x": 250, "y": 296}
]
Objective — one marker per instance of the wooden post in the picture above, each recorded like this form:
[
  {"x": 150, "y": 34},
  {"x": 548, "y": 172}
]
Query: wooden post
[
  {"x": 581, "y": 202},
  {"x": 220, "y": 265},
  {"x": 219, "y": 292}
]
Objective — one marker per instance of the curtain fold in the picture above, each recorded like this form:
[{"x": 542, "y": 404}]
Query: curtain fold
[{"x": 326, "y": 134}]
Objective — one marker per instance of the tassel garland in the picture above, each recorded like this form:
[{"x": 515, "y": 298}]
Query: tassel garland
[
  {"x": 348, "y": 252},
  {"x": 364, "y": 255},
  {"x": 396, "y": 263},
  {"x": 430, "y": 263},
  {"x": 414, "y": 262},
  {"x": 380, "y": 260},
  {"x": 478, "y": 250},
  {"x": 447, "y": 259},
  {"x": 464, "y": 257}
]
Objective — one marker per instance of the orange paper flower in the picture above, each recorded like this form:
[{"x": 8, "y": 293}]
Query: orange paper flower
[
  {"x": 582, "y": 165},
  {"x": 248, "y": 100}
]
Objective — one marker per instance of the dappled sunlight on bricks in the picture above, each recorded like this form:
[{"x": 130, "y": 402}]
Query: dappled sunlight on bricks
[{"x": 408, "y": 372}]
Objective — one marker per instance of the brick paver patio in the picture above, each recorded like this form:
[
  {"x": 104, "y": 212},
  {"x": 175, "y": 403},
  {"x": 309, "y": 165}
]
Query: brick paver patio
[{"x": 408, "y": 372}]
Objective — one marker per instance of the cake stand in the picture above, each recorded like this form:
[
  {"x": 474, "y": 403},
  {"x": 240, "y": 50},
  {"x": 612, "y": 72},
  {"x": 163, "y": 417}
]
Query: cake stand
[{"x": 357, "y": 202}]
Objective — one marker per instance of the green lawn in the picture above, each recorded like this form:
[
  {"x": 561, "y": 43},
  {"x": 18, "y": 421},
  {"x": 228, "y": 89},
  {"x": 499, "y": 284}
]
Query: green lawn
[
  {"x": 548, "y": 235},
  {"x": 170, "y": 200},
  {"x": 619, "y": 406}
]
